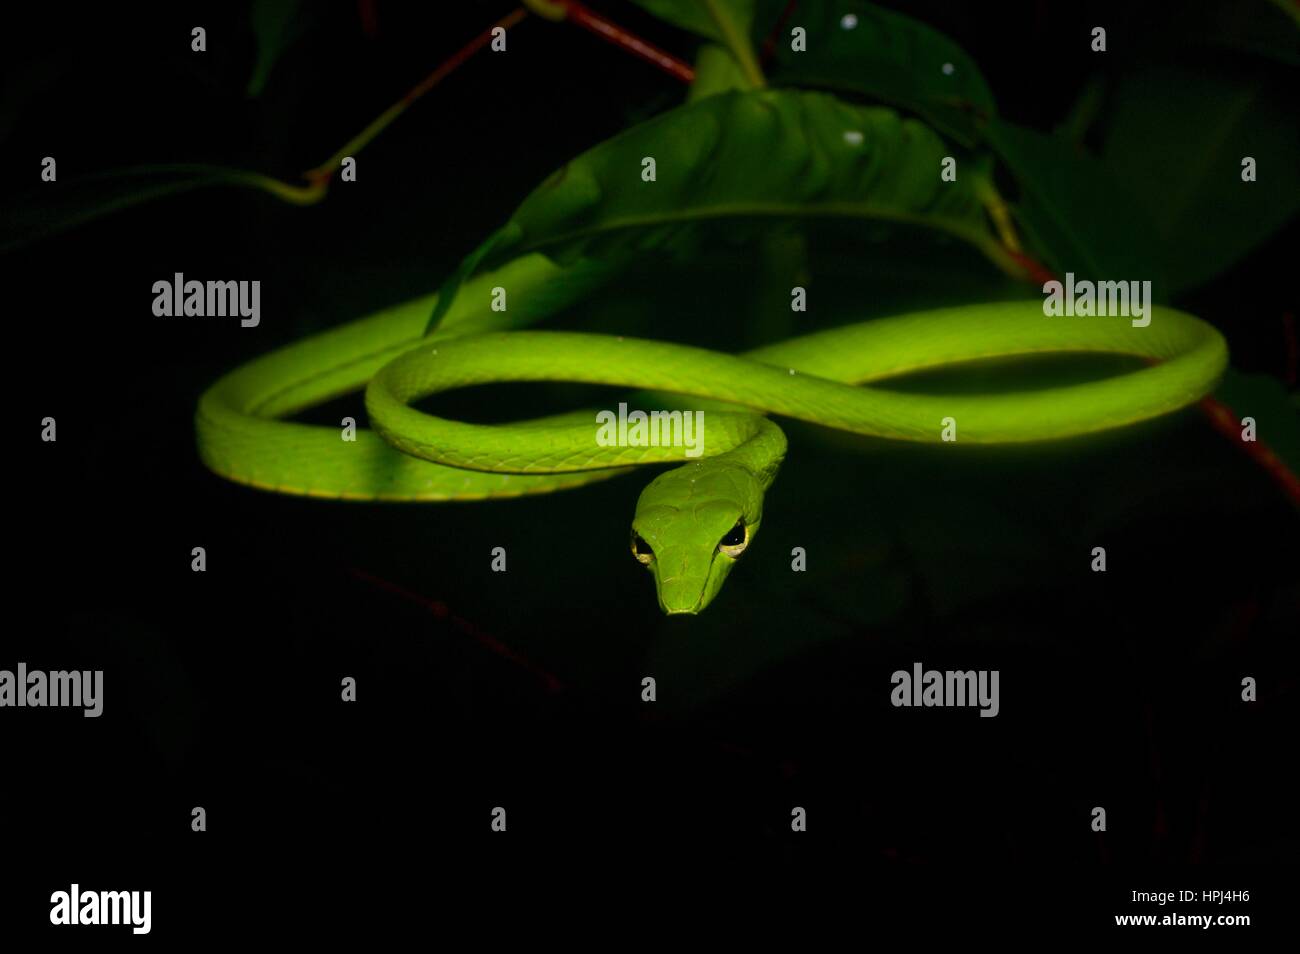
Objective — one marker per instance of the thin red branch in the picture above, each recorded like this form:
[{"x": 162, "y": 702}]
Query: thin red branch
[
  {"x": 768, "y": 50},
  {"x": 464, "y": 53},
  {"x": 1228, "y": 423},
  {"x": 320, "y": 176},
  {"x": 611, "y": 32},
  {"x": 1221, "y": 417},
  {"x": 1036, "y": 270},
  {"x": 441, "y": 611},
  {"x": 368, "y": 14}
]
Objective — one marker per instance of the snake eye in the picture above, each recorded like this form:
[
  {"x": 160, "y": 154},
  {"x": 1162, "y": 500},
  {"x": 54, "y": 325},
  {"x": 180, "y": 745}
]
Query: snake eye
[
  {"x": 737, "y": 538},
  {"x": 641, "y": 550}
]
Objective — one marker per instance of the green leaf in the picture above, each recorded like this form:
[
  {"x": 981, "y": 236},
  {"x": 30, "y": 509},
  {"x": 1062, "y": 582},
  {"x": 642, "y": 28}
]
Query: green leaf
[
  {"x": 276, "y": 25},
  {"x": 1276, "y": 412},
  {"x": 1253, "y": 27},
  {"x": 694, "y": 15},
  {"x": 716, "y": 71},
  {"x": 1177, "y": 135},
  {"x": 58, "y": 206},
  {"x": 858, "y": 47},
  {"x": 1078, "y": 215},
  {"x": 724, "y": 21},
  {"x": 745, "y": 162}
]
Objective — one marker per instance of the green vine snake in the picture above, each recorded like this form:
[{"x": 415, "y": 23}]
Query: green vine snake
[{"x": 692, "y": 523}]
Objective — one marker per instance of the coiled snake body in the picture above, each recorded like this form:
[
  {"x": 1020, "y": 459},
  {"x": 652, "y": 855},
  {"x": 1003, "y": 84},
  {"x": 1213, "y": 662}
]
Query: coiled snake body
[{"x": 693, "y": 522}]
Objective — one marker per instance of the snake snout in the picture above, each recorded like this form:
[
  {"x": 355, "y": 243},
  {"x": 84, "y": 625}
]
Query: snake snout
[
  {"x": 681, "y": 591},
  {"x": 680, "y": 598}
]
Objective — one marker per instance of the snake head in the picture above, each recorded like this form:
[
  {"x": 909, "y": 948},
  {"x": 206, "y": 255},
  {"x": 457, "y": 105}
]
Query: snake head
[{"x": 691, "y": 526}]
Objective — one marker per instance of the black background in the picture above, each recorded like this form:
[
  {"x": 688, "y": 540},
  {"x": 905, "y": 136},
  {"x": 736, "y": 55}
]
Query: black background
[{"x": 523, "y": 689}]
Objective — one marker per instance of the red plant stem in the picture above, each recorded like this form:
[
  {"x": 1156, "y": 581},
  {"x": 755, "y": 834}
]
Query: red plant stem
[
  {"x": 464, "y": 53},
  {"x": 1221, "y": 417},
  {"x": 613, "y": 33},
  {"x": 321, "y": 175},
  {"x": 368, "y": 14},
  {"x": 1228, "y": 423},
  {"x": 769, "y": 44},
  {"x": 1036, "y": 271},
  {"x": 441, "y": 611}
]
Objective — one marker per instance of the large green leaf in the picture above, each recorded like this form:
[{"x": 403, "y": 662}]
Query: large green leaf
[
  {"x": 701, "y": 16},
  {"x": 749, "y": 161},
  {"x": 1078, "y": 215},
  {"x": 858, "y": 47},
  {"x": 1165, "y": 201},
  {"x": 1177, "y": 136}
]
